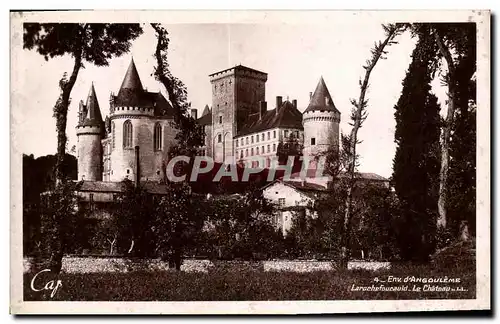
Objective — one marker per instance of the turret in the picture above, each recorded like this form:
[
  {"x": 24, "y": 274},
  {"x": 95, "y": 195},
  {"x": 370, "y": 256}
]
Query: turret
[
  {"x": 321, "y": 122},
  {"x": 89, "y": 132}
]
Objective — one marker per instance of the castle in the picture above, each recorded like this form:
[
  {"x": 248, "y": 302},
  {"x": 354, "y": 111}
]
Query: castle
[{"x": 133, "y": 141}]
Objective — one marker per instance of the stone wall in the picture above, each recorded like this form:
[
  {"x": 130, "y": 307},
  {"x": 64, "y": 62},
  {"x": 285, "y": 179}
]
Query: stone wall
[{"x": 76, "y": 264}]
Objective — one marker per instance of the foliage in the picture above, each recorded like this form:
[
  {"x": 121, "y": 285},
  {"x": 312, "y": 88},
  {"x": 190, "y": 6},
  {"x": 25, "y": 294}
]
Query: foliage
[
  {"x": 417, "y": 160},
  {"x": 290, "y": 147},
  {"x": 61, "y": 223},
  {"x": 240, "y": 226},
  {"x": 358, "y": 116},
  {"x": 177, "y": 222}
]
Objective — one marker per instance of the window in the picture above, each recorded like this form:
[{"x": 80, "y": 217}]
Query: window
[
  {"x": 313, "y": 141},
  {"x": 113, "y": 134},
  {"x": 281, "y": 202},
  {"x": 242, "y": 141},
  {"x": 251, "y": 151},
  {"x": 257, "y": 151},
  {"x": 257, "y": 138},
  {"x": 219, "y": 138},
  {"x": 268, "y": 148},
  {"x": 286, "y": 133},
  {"x": 236, "y": 152},
  {"x": 274, "y": 147},
  {"x": 268, "y": 162},
  {"x": 246, "y": 140},
  {"x": 274, "y": 134},
  {"x": 220, "y": 119},
  {"x": 158, "y": 136},
  {"x": 127, "y": 134},
  {"x": 262, "y": 149},
  {"x": 91, "y": 201},
  {"x": 252, "y": 139},
  {"x": 237, "y": 143},
  {"x": 241, "y": 154},
  {"x": 262, "y": 137},
  {"x": 246, "y": 152},
  {"x": 268, "y": 136}
]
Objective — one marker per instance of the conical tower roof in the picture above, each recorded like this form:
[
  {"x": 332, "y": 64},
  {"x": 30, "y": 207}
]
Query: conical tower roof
[
  {"x": 131, "y": 91},
  {"x": 206, "y": 111},
  {"x": 321, "y": 99},
  {"x": 132, "y": 79},
  {"x": 93, "y": 115}
]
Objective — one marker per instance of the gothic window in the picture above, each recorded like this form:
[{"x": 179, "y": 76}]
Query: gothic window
[
  {"x": 127, "y": 134},
  {"x": 158, "y": 136},
  {"x": 313, "y": 141},
  {"x": 113, "y": 134}
]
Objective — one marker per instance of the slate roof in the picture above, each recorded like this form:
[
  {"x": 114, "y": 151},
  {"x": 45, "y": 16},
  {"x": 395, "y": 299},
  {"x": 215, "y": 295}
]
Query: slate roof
[
  {"x": 311, "y": 173},
  {"x": 132, "y": 94},
  {"x": 321, "y": 99},
  {"x": 93, "y": 115},
  {"x": 206, "y": 119},
  {"x": 287, "y": 117},
  {"x": 206, "y": 111}
]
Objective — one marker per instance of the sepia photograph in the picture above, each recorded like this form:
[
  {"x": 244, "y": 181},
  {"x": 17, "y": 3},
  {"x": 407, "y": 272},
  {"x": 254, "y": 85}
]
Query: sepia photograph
[{"x": 249, "y": 162}]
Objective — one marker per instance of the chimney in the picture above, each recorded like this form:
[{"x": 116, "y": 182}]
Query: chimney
[
  {"x": 137, "y": 169},
  {"x": 294, "y": 101},
  {"x": 310, "y": 95},
  {"x": 279, "y": 101},
  {"x": 262, "y": 109},
  {"x": 194, "y": 113}
]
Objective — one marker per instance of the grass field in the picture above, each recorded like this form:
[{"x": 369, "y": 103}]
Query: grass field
[{"x": 254, "y": 285}]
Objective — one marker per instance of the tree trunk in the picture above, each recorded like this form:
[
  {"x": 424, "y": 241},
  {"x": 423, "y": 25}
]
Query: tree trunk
[
  {"x": 61, "y": 115},
  {"x": 358, "y": 119},
  {"x": 445, "y": 145}
]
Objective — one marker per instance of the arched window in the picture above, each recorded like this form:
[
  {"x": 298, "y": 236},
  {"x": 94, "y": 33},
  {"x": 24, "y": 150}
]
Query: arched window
[
  {"x": 158, "y": 136},
  {"x": 127, "y": 134},
  {"x": 113, "y": 134}
]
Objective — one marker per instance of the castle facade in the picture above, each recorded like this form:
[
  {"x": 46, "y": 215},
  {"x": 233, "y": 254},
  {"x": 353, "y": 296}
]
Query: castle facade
[{"x": 133, "y": 140}]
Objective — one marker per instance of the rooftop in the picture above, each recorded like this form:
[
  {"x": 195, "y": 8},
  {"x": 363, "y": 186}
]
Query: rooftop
[{"x": 238, "y": 67}]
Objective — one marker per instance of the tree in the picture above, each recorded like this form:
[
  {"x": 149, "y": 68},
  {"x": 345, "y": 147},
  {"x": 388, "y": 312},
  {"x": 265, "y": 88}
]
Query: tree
[
  {"x": 290, "y": 147},
  {"x": 93, "y": 43},
  {"x": 456, "y": 43},
  {"x": 358, "y": 116},
  {"x": 416, "y": 163},
  {"x": 84, "y": 42}
]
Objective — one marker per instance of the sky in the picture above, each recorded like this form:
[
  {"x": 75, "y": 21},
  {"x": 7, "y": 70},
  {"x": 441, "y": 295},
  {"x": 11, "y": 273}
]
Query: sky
[{"x": 295, "y": 56}]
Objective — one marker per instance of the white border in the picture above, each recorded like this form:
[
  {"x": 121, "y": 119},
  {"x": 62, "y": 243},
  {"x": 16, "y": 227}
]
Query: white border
[{"x": 269, "y": 307}]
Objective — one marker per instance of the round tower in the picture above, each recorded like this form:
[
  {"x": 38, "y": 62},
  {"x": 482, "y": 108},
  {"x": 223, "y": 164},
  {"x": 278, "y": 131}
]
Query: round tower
[
  {"x": 89, "y": 131},
  {"x": 321, "y": 122}
]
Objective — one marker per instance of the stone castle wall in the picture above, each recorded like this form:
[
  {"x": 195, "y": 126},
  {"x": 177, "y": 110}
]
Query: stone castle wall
[{"x": 89, "y": 153}]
